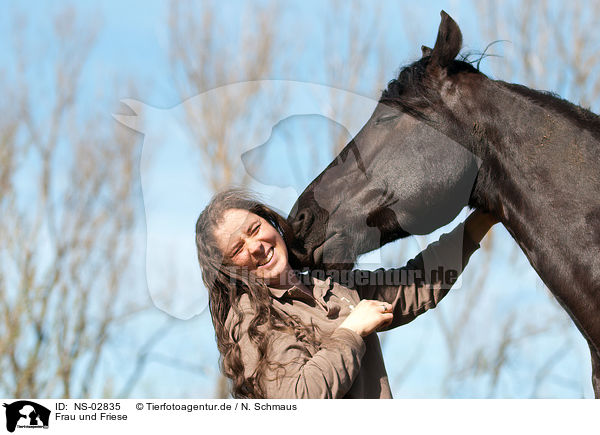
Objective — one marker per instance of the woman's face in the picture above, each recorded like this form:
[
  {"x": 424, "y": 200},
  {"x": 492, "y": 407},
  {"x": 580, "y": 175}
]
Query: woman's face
[{"x": 249, "y": 241}]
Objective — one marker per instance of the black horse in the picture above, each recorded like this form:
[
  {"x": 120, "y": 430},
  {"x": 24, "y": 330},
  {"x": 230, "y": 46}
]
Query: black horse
[{"x": 444, "y": 136}]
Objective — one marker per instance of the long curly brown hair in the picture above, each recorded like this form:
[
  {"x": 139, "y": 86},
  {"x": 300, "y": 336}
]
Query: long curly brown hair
[{"x": 226, "y": 285}]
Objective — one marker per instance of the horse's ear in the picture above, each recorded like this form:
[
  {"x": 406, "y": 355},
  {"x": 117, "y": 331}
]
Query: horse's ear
[
  {"x": 448, "y": 42},
  {"x": 426, "y": 51}
]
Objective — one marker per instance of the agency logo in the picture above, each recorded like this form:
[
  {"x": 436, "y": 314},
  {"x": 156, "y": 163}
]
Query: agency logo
[{"x": 25, "y": 414}]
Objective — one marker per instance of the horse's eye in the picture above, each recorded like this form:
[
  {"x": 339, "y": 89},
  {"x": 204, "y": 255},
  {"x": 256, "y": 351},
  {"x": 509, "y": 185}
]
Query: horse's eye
[{"x": 385, "y": 118}]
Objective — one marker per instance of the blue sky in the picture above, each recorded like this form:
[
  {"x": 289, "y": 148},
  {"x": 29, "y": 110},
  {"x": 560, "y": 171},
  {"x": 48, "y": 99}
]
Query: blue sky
[{"x": 133, "y": 44}]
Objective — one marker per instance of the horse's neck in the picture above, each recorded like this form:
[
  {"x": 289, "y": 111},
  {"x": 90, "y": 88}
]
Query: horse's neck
[
  {"x": 539, "y": 174},
  {"x": 528, "y": 151},
  {"x": 511, "y": 116}
]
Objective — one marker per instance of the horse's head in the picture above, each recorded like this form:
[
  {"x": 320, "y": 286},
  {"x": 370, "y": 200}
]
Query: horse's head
[{"x": 404, "y": 173}]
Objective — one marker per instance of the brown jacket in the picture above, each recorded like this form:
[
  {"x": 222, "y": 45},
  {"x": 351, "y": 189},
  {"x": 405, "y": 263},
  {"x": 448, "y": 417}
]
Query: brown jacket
[{"x": 346, "y": 365}]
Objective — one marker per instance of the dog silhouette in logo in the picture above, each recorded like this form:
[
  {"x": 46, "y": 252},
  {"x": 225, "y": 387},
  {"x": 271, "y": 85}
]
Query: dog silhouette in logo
[
  {"x": 170, "y": 193},
  {"x": 30, "y": 411}
]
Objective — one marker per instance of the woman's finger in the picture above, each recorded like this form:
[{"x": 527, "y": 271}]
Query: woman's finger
[
  {"x": 386, "y": 322},
  {"x": 385, "y": 307}
]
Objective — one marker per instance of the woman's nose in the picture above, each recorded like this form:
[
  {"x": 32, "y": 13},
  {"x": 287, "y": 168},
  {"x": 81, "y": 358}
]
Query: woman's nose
[{"x": 255, "y": 247}]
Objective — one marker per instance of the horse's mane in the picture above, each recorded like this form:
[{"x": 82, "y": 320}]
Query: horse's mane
[
  {"x": 408, "y": 90},
  {"x": 412, "y": 91}
]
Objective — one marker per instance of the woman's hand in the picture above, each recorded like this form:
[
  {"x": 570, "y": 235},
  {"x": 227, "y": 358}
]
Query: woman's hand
[
  {"x": 478, "y": 224},
  {"x": 368, "y": 316}
]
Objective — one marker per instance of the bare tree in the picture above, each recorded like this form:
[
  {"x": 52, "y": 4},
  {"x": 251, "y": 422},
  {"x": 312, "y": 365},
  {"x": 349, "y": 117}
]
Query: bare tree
[
  {"x": 203, "y": 59},
  {"x": 548, "y": 46},
  {"x": 68, "y": 181},
  {"x": 352, "y": 43}
]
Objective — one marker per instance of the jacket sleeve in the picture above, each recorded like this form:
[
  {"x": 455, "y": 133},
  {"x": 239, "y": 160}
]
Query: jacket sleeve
[
  {"x": 423, "y": 282},
  {"x": 328, "y": 373}
]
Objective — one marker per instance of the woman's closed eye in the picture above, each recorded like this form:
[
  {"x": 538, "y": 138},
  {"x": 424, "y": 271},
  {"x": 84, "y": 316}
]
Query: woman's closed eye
[
  {"x": 238, "y": 247},
  {"x": 236, "y": 250}
]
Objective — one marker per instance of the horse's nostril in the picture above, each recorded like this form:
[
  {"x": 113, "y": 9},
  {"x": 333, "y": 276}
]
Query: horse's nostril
[{"x": 303, "y": 221}]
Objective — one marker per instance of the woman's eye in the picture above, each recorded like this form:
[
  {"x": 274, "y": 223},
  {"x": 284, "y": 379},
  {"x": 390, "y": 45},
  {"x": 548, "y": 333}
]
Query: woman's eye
[{"x": 255, "y": 230}]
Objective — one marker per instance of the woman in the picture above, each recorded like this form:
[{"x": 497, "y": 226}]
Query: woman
[{"x": 286, "y": 335}]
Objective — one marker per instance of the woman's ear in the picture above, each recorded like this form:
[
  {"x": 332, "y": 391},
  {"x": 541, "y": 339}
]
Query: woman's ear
[{"x": 448, "y": 42}]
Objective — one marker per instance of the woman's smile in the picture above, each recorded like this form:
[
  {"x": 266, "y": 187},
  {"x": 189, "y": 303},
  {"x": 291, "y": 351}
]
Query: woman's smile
[{"x": 268, "y": 258}]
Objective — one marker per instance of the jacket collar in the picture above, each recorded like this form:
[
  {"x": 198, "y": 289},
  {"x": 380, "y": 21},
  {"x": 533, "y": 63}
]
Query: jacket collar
[{"x": 320, "y": 287}]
